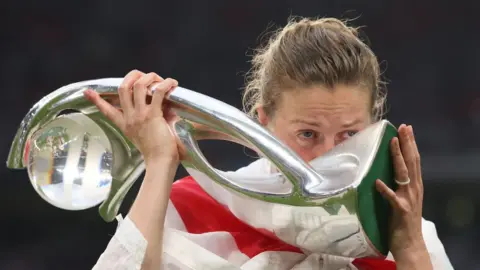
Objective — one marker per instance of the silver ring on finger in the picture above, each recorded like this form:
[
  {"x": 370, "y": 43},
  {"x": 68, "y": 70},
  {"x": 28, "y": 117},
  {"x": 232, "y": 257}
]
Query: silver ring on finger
[
  {"x": 154, "y": 86},
  {"x": 404, "y": 182}
]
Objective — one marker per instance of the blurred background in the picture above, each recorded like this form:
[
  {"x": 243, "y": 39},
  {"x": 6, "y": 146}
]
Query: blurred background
[{"x": 429, "y": 52}]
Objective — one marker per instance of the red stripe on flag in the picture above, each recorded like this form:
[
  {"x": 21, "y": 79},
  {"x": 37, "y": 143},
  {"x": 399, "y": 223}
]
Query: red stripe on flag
[
  {"x": 374, "y": 264},
  {"x": 201, "y": 214}
]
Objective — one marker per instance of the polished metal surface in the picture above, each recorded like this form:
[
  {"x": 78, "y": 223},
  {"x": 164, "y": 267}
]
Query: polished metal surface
[
  {"x": 223, "y": 121},
  {"x": 79, "y": 160}
]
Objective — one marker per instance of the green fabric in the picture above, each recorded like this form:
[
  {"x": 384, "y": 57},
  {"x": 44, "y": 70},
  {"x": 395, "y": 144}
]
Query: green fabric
[{"x": 374, "y": 210}]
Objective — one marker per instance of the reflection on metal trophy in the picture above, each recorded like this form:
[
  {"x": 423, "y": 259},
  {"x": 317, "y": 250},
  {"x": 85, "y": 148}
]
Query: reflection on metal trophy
[{"x": 77, "y": 159}]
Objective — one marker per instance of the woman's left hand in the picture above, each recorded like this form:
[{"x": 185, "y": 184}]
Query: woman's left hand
[{"x": 406, "y": 239}]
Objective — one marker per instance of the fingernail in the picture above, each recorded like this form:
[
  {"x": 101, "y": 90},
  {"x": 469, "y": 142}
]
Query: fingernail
[
  {"x": 173, "y": 81},
  {"x": 174, "y": 84}
]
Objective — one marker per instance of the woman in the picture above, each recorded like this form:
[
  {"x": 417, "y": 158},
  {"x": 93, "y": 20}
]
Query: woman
[{"x": 314, "y": 85}]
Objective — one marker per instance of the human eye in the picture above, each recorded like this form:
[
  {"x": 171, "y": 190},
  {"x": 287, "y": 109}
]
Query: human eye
[
  {"x": 349, "y": 133},
  {"x": 307, "y": 134}
]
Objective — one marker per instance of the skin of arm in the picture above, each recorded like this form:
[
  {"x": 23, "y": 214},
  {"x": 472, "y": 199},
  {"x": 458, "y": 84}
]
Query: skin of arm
[{"x": 149, "y": 208}]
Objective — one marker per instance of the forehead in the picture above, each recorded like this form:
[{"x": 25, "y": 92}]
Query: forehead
[{"x": 338, "y": 105}]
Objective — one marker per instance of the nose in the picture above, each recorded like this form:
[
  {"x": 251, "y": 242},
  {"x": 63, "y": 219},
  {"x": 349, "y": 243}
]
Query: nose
[{"x": 327, "y": 144}]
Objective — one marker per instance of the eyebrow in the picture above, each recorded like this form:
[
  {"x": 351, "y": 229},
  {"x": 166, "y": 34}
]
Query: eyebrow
[
  {"x": 314, "y": 123},
  {"x": 308, "y": 122},
  {"x": 352, "y": 123}
]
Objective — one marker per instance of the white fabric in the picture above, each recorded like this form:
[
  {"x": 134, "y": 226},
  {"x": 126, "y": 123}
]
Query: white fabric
[
  {"x": 218, "y": 250},
  {"x": 311, "y": 229}
]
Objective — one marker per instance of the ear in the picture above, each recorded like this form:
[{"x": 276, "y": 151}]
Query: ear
[{"x": 262, "y": 116}]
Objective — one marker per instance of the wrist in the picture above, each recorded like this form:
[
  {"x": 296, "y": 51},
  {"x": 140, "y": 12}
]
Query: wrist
[
  {"x": 413, "y": 257},
  {"x": 161, "y": 160},
  {"x": 408, "y": 245},
  {"x": 160, "y": 167}
]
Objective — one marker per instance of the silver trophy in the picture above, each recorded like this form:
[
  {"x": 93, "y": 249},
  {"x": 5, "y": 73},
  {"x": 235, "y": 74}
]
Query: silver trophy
[{"x": 77, "y": 159}]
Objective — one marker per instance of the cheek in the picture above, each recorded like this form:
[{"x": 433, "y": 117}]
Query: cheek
[{"x": 307, "y": 154}]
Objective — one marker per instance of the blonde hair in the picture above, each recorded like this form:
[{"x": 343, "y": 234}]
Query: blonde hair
[{"x": 310, "y": 52}]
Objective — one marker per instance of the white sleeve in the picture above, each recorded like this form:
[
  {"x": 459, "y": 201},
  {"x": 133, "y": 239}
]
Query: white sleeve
[
  {"x": 125, "y": 250},
  {"x": 435, "y": 248}
]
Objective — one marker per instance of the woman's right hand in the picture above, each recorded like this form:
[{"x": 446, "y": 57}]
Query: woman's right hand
[{"x": 144, "y": 124}]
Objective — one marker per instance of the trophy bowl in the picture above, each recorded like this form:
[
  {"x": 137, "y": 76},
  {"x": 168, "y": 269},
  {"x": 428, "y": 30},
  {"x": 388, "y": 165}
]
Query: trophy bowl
[{"x": 69, "y": 162}]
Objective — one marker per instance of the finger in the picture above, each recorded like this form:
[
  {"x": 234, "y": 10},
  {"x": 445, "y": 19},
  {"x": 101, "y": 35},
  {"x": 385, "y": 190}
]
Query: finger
[
  {"x": 112, "y": 113},
  {"x": 160, "y": 90},
  {"x": 169, "y": 114},
  {"x": 387, "y": 193},
  {"x": 417, "y": 158},
  {"x": 125, "y": 93},
  {"x": 140, "y": 88},
  {"x": 406, "y": 146},
  {"x": 401, "y": 170}
]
